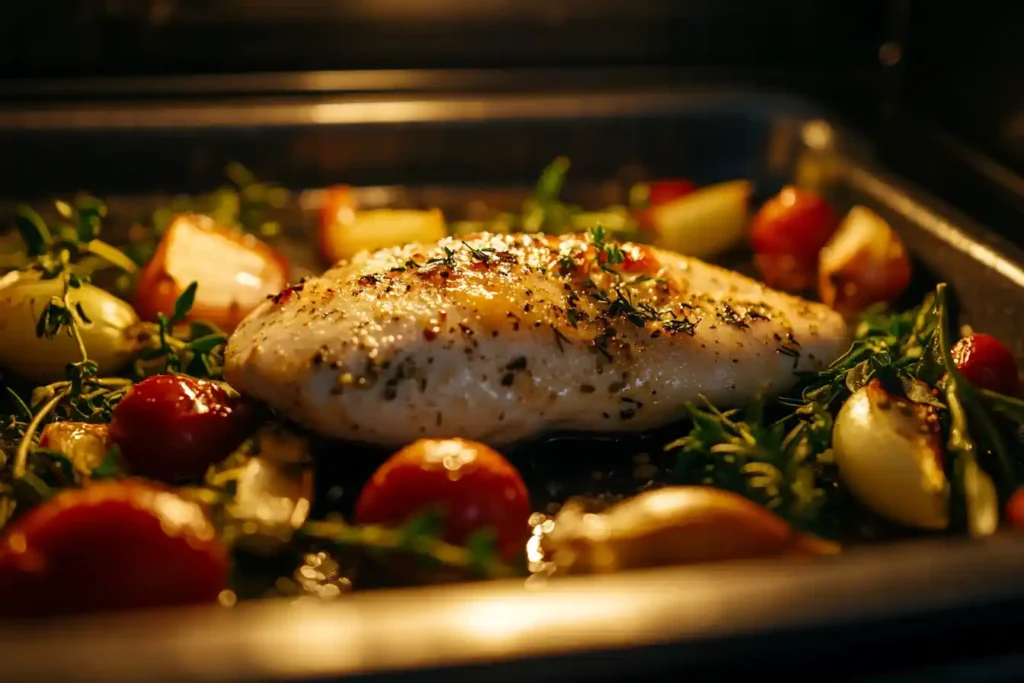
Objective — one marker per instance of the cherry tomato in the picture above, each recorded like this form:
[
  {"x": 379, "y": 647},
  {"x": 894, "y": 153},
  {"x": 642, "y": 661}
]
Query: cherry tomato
[
  {"x": 235, "y": 272},
  {"x": 1015, "y": 509},
  {"x": 664, "y": 191},
  {"x": 339, "y": 207},
  {"x": 636, "y": 259},
  {"x": 864, "y": 263},
  {"x": 787, "y": 233},
  {"x": 111, "y": 546},
  {"x": 659, "y": 192},
  {"x": 173, "y": 427},
  {"x": 986, "y": 362},
  {"x": 475, "y": 486},
  {"x": 85, "y": 445}
]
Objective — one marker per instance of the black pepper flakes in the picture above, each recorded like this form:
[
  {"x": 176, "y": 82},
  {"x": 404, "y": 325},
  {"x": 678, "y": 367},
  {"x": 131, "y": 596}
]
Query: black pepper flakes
[
  {"x": 731, "y": 316},
  {"x": 517, "y": 363}
]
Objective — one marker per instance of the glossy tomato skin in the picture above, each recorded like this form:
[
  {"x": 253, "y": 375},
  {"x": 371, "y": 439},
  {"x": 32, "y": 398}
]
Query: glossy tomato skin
[
  {"x": 117, "y": 545},
  {"x": 173, "y": 427},
  {"x": 986, "y": 362},
  {"x": 1015, "y": 510},
  {"x": 475, "y": 487},
  {"x": 787, "y": 233},
  {"x": 669, "y": 189},
  {"x": 637, "y": 259}
]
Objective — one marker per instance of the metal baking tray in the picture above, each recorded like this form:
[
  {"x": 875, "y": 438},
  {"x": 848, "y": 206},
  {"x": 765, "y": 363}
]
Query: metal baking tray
[{"x": 931, "y": 600}]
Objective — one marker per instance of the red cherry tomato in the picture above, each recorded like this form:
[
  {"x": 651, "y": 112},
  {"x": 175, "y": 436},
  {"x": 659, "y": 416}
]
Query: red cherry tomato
[
  {"x": 636, "y": 259},
  {"x": 338, "y": 207},
  {"x": 787, "y": 233},
  {"x": 110, "y": 546},
  {"x": 173, "y": 427},
  {"x": 665, "y": 191},
  {"x": 1015, "y": 509},
  {"x": 986, "y": 362},
  {"x": 475, "y": 486}
]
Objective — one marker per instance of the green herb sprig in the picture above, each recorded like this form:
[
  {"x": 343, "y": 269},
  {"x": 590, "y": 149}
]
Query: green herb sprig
[
  {"x": 200, "y": 353},
  {"x": 781, "y": 469},
  {"x": 54, "y": 254},
  {"x": 419, "y": 538}
]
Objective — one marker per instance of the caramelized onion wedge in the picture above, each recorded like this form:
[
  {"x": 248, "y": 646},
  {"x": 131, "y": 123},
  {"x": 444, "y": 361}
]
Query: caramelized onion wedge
[
  {"x": 235, "y": 272},
  {"x": 669, "y": 526},
  {"x": 704, "y": 222},
  {"x": 111, "y": 336},
  {"x": 890, "y": 455},
  {"x": 864, "y": 263},
  {"x": 274, "y": 490},
  {"x": 345, "y": 230},
  {"x": 83, "y": 444}
]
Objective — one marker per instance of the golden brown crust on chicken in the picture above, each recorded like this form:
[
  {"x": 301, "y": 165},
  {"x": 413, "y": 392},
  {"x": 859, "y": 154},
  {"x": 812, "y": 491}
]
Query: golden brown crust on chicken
[{"x": 500, "y": 337}]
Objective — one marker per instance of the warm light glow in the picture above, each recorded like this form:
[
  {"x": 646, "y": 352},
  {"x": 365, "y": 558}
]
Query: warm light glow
[
  {"x": 501, "y": 620},
  {"x": 178, "y": 516},
  {"x": 818, "y": 135}
]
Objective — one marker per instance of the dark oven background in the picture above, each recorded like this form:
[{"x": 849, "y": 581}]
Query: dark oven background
[{"x": 940, "y": 85}]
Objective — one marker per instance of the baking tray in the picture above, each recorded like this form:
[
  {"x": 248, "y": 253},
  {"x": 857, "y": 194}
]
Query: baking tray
[{"x": 704, "y": 621}]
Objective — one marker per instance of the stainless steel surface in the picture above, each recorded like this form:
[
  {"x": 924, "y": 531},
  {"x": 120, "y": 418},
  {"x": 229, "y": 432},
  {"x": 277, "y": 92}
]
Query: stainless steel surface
[
  {"x": 435, "y": 627},
  {"x": 428, "y": 143},
  {"x": 381, "y": 80},
  {"x": 362, "y": 109}
]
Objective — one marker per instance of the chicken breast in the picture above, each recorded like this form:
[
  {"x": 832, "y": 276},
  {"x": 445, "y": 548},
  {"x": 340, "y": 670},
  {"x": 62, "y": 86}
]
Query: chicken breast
[{"x": 501, "y": 337}]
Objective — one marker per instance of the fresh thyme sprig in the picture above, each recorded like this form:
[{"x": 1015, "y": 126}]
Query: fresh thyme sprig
[
  {"x": 200, "y": 354},
  {"x": 782, "y": 470},
  {"x": 968, "y": 415},
  {"x": 420, "y": 538},
  {"x": 54, "y": 255},
  {"x": 888, "y": 345},
  {"x": 607, "y": 255}
]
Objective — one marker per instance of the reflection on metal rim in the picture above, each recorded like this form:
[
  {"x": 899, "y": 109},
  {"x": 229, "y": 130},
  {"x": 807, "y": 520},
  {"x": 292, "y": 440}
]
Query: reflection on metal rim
[
  {"x": 432, "y": 627},
  {"x": 354, "y": 110}
]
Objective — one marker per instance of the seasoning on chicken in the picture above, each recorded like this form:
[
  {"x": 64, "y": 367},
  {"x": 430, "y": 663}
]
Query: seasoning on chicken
[{"x": 501, "y": 337}]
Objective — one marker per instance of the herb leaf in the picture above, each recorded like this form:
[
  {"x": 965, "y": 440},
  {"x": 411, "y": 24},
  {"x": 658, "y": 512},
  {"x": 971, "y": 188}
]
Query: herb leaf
[
  {"x": 183, "y": 304},
  {"x": 33, "y": 231}
]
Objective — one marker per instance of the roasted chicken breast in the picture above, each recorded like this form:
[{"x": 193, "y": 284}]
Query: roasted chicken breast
[{"x": 501, "y": 337}]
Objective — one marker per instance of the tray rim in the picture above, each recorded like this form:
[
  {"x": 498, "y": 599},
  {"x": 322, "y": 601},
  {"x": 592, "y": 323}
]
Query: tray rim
[
  {"x": 87, "y": 644},
  {"x": 387, "y": 108}
]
